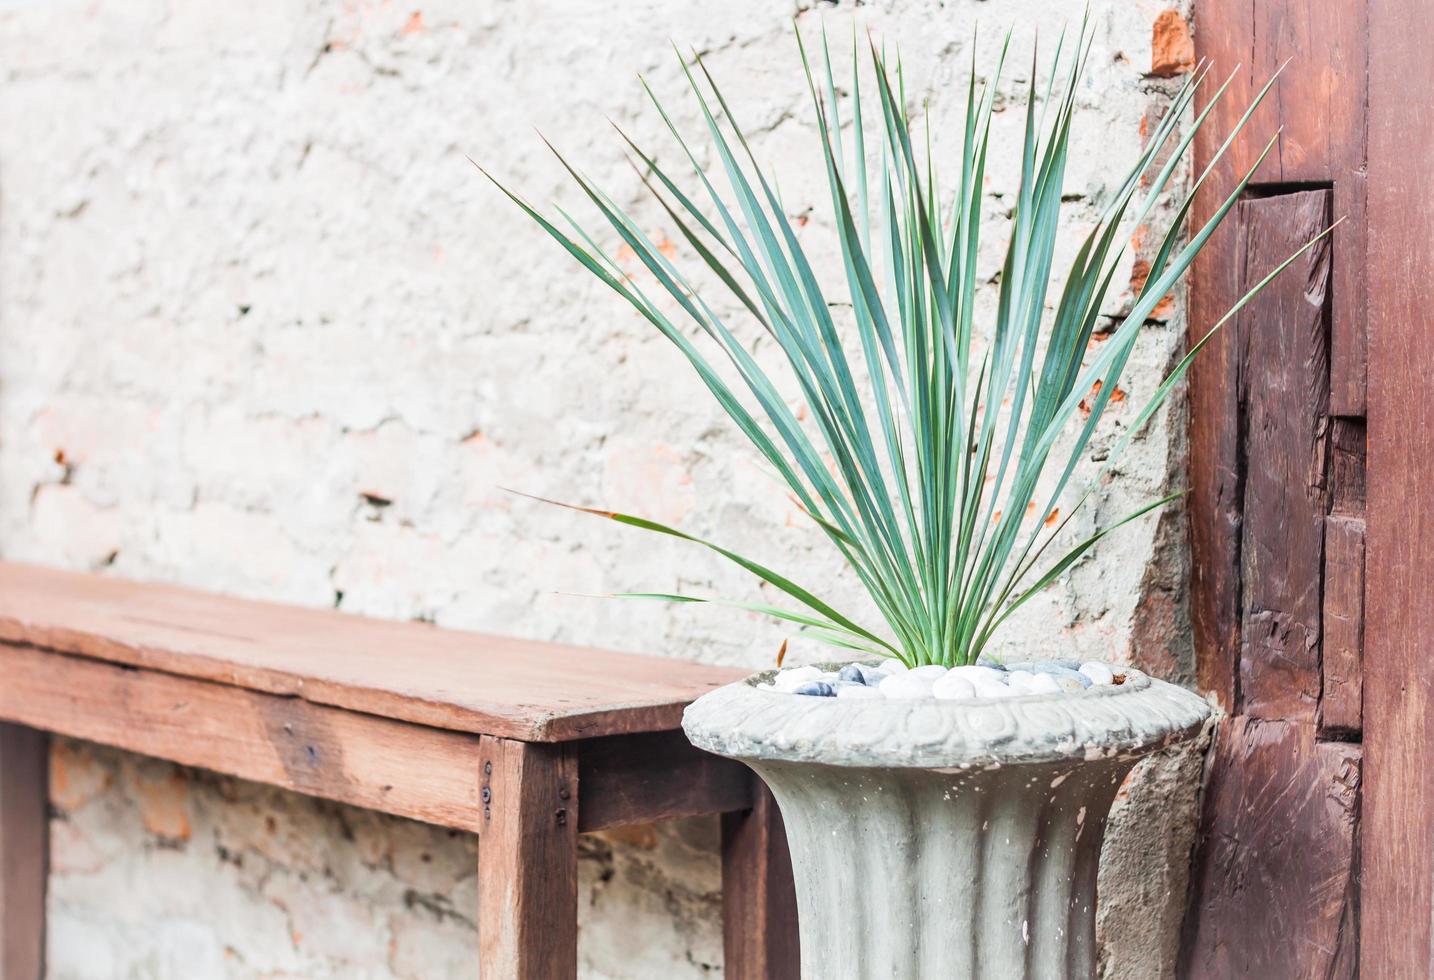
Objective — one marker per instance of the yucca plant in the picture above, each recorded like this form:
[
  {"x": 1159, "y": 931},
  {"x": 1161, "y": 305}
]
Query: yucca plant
[{"x": 927, "y": 431}]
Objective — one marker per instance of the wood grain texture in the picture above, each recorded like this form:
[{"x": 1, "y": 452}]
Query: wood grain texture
[
  {"x": 1319, "y": 101},
  {"x": 24, "y": 850},
  {"x": 630, "y": 779},
  {"x": 759, "y": 903},
  {"x": 409, "y": 770},
  {"x": 1223, "y": 37},
  {"x": 1398, "y": 859},
  {"x": 1275, "y": 448},
  {"x": 407, "y": 671},
  {"x": 528, "y": 861},
  {"x": 1284, "y": 417},
  {"x": 1275, "y": 894},
  {"x": 1341, "y": 698}
]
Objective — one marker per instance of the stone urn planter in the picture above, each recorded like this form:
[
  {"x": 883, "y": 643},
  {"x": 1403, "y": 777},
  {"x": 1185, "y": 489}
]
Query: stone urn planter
[{"x": 945, "y": 838}]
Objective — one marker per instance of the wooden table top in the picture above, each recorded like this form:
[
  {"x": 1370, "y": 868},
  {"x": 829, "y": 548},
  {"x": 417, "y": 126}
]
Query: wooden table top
[{"x": 452, "y": 679}]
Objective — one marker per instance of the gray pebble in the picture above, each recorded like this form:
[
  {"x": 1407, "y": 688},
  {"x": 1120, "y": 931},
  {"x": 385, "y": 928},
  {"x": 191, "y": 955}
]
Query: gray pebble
[
  {"x": 872, "y": 676},
  {"x": 852, "y": 673},
  {"x": 819, "y": 689},
  {"x": 984, "y": 661}
]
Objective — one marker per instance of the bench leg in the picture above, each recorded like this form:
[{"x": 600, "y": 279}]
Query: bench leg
[
  {"x": 759, "y": 905},
  {"x": 528, "y": 861},
  {"x": 24, "y": 850}
]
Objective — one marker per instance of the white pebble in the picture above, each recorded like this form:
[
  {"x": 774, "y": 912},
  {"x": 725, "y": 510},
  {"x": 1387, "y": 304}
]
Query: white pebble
[
  {"x": 1044, "y": 684},
  {"x": 933, "y": 671},
  {"x": 858, "y": 692},
  {"x": 906, "y": 686},
  {"x": 978, "y": 675},
  {"x": 795, "y": 676},
  {"x": 892, "y": 666},
  {"x": 1098, "y": 673},
  {"x": 995, "y": 691},
  {"x": 1020, "y": 680},
  {"x": 953, "y": 687}
]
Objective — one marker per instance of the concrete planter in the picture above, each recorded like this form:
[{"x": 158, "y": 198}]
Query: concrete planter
[{"x": 945, "y": 838}]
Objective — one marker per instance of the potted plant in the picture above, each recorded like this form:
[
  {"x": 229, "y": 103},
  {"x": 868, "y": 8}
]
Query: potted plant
[{"x": 945, "y": 809}]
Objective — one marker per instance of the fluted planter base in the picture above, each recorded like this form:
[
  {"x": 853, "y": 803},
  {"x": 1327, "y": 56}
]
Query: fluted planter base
[{"x": 945, "y": 839}]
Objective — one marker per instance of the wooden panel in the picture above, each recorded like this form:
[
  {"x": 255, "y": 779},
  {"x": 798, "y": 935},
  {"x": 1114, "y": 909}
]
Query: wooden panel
[
  {"x": 528, "y": 861},
  {"x": 1319, "y": 101},
  {"x": 1398, "y": 856},
  {"x": 1349, "y": 341},
  {"x": 1284, "y": 401},
  {"x": 24, "y": 851},
  {"x": 1277, "y": 474},
  {"x": 1275, "y": 896},
  {"x": 759, "y": 901},
  {"x": 409, "y": 671},
  {"x": 409, "y": 770},
  {"x": 657, "y": 776},
  {"x": 1341, "y": 700}
]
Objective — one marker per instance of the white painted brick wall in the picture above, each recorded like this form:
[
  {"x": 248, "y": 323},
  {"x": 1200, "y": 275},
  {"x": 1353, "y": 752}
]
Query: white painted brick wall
[{"x": 248, "y": 277}]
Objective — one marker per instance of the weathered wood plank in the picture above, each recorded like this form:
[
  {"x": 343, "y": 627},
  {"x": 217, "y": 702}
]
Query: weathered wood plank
[
  {"x": 1274, "y": 894},
  {"x": 24, "y": 850},
  {"x": 1342, "y": 695},
  {"x": 468, "y": 682},
  {"x": 528, "y": 861},
  {"x": 1347, "y": 443},
  {"x": 1349, "y": 332},
  {"x": 1341, "y": 699},
  {"x": 1224, "y": 37},
  {"x": 1284, "y": 389},
  {"x": 759, "y": 901},
  {"x": 630, "y": 779},
  {"x": 1398, "y": 862},
  {"x": 409, "y": 770}
]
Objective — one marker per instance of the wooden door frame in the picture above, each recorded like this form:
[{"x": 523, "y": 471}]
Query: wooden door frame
[{"x": 1398, "y": 876}]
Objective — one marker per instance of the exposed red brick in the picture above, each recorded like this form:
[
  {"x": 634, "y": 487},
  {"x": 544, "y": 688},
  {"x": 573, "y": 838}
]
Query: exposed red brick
[
  {"x": 1172, "y": 51},
  {"x": 1116, "y": 397},
  {"x": 76, "y": 777},
  {"x": 164, "y": 805},
  {"x": 1139, "y": 273}
]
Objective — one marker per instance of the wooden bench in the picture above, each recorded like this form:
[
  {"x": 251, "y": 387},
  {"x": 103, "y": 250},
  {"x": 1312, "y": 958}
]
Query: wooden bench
[{"x": 526, "y": 744}]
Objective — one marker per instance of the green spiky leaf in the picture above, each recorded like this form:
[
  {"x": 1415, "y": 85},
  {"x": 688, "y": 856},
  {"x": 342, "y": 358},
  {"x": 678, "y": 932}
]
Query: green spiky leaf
[{"x": 934, "y": 440}]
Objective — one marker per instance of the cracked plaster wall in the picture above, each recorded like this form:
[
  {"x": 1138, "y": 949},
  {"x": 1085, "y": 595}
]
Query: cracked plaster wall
[{"x": 264, "y": 330}]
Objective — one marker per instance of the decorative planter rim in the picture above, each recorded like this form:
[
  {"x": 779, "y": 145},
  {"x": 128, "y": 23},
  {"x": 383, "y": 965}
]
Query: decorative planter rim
[{"x": 746, "y": 721}]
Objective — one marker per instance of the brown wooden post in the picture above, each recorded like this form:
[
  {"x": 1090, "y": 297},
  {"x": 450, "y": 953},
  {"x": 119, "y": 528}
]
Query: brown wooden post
[
  {"x": 24, "y": 851},
  {"x": 1278, "y": 505},
  {"x": 528, "y": 861},
  {"x": 1398, "y": 854},
  {"x": 759, "y": 905}
]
